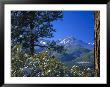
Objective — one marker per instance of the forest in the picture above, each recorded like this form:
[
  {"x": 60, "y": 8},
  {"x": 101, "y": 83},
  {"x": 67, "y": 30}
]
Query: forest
[{"x": 33, "y": 54}]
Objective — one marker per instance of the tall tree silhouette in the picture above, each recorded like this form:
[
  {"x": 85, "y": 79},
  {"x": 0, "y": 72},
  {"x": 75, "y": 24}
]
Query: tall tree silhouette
[{"x": 27, "y": 27}]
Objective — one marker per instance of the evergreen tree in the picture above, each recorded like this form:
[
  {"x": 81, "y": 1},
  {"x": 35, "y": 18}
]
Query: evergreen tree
[{"x": 27, "y": 27}]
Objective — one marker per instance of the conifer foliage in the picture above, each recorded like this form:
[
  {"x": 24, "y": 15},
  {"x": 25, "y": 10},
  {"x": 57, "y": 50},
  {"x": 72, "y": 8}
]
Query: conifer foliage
[{"x": 27, "y": 27}]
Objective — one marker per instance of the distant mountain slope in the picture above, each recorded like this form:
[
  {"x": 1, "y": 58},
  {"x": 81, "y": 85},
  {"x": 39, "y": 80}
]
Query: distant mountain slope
[
  {"x": 84, "y": 60},
  {"x": 74, "y": 48},
  {"x": 77, "y": 51},
  {"x": 73, "y": 53},
  {"x": 89, "y": 57}
]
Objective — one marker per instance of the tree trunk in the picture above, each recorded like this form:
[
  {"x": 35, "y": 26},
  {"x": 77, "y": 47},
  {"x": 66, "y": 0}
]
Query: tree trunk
[
  {"x": 97, "y": 43},
  {"x": 31, "y": 42},
  {"x": 32, "y": 45}
]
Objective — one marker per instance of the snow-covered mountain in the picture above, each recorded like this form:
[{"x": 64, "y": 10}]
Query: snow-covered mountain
[
  {"x": 74, "y": 49},
  {"x": 71, "y": 41}
]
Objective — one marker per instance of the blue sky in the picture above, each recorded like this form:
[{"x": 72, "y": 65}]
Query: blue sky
[{"x": 79, "y": 24}]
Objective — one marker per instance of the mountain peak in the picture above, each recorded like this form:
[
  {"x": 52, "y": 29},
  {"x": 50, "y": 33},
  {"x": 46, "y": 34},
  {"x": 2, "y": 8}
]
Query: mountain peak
[{"x": 69, "y": 41}]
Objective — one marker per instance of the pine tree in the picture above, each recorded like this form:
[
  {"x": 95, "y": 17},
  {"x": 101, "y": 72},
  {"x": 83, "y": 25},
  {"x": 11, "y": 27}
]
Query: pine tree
[{"x": 27, "y": 27}]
